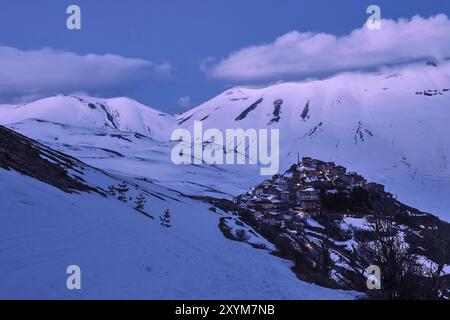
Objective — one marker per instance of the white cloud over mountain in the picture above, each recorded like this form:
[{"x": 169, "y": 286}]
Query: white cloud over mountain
[
  {"x": 32, "y": 74},
  {"x": 297, "y": 54}
]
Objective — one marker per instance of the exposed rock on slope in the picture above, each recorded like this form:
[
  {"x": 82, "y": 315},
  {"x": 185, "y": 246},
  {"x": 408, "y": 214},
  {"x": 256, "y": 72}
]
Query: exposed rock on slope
[{"x": 31, "y": 158}]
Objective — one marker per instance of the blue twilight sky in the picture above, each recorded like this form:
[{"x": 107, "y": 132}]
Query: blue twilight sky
[{"x": 183, "y": 33}]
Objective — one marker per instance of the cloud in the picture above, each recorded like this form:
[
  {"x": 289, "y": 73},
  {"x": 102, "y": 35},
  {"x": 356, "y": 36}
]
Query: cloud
[
  {"x": 297, "y": 54},
  {"x": 184, "y": 102},
  {"x": 26, "y": 75}
]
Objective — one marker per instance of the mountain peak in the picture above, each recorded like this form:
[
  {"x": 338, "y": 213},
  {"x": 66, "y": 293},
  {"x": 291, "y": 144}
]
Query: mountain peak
[{"x": 123, "y": 114}]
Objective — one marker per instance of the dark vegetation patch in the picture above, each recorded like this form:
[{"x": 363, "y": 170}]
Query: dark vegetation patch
[
  {"x": 276, "y": 111},
  {"x": 305, "y": 113},
  {"x": 314, "y": 130},
  {"x": 244, "y": 113},
  {"x": 119, "y": 136},
  {"x": 183, "y": 120}
]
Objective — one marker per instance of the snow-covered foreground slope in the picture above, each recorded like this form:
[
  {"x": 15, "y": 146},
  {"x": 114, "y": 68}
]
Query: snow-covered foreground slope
[
  {"x": 59, "y": 212},
  {"x": 124, "y": 254}
]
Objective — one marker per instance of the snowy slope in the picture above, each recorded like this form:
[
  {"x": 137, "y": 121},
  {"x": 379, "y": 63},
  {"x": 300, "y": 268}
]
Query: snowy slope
[
  {"x": 137, "y": 155},
  {"x": 123, "y": 136},
  {"x": 125, "y": 254}
]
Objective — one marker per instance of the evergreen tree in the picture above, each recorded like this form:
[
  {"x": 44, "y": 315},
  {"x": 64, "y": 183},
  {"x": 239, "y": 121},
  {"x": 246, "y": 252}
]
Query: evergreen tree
[
  {"x": 112, "y": 190},
  {"x": 165, "y": 219},
  {"x": 122, "y": 189},
  {"x": 139, "y": 202}
]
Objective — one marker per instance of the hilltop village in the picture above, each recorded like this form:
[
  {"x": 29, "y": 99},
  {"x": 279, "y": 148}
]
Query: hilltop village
[
  {"x": 332, "y": 223},
  {"x": 310, "y": 187}
]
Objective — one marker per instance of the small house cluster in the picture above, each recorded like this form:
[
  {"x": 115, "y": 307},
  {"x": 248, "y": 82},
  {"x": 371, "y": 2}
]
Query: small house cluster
[{"x": 298, "y": 191}]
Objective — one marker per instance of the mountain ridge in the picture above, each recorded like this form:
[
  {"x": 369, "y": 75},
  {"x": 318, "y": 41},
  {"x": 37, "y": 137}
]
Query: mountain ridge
[{"x": 377, "y": 123}]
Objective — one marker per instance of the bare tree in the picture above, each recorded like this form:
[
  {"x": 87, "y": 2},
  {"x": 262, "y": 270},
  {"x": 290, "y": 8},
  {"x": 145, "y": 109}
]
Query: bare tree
[
  {"x": 401, "y": 272},
  {"x": 435, "y": 272},
  {"x": 326, "y": 262}
]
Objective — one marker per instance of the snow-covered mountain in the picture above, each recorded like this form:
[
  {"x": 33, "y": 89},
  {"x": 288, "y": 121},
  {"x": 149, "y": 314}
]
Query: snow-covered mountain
[
  {"x": 120, "y": 114},
  {"x": 392, "y": 126}
]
